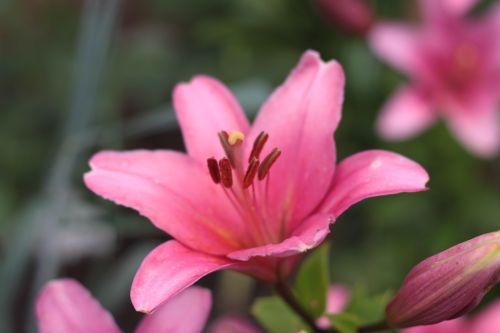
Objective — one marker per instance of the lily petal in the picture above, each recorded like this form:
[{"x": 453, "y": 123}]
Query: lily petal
[
  {"x": 459, "y": 325},
  {"x": 437, "y": 10},
  {"x": 479, "y": 130},
  {"x": 488, "y": 320},
  {"x": 233, "y": 324},
  {"x": 337, "y": 299},
  {"x": 66, "y": 306},
  {"x": 165, "y": 187},
  {"x": 301, "y": 117},
  {"x": 397, "y": 44},
  {"x": 406, "y": 114},
  {"x": 169, "y": 269},
  {"x": 372, "y": 173},
  {"x": 205, "y": 107},
  {"x": 185, "y": 313},
  {"x": 307, "y": 236}
]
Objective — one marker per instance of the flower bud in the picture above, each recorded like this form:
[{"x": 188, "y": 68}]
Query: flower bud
[
  {"x": 448, "y": 284},
  {"x": 353, "y": 16}
]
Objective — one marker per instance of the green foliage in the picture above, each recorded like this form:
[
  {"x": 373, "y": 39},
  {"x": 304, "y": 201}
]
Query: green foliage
[
  {"x": 311, "y": 285},
  {"x": 362, "y": 310},
  {"x": 367, "y": 309},
  {"x": 344, "y": 322},
  {"x": 275, "y": 315}
]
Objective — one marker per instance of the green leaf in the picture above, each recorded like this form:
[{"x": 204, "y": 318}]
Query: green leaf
[
  {"x": 311, "y": 285},
  {"x": 344, "y": 322},
  {"x": 368, "y": 309},
  {"x": 276, "y": 317}
]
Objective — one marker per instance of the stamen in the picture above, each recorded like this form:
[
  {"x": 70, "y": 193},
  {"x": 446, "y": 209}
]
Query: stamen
[
  {"x": 235, "y": 137},
  {"x": 213, "y": 169},
  {"x": 226, "y": 174},
  {"x": 258, "y": 144},
  {"x": 268, "y": 162},
  {"x": 253, "y": 167}
]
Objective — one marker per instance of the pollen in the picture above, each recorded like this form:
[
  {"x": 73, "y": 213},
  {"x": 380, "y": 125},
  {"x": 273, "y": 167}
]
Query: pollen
[{"x": 235, "y": 137}]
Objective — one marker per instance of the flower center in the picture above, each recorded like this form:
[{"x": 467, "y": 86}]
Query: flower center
[
  {"x": 221, "y": 171},
  {"x": 245, "y": 181}
]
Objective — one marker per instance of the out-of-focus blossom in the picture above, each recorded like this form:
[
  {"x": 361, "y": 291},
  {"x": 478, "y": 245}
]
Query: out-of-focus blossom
[
  {"x": 487, "y": 321},
  {"x": 355, "y": 16},
  {"x": 448, "y": 284},
  {"x": 247, "y": 198},
  {"x": 233, "y": 324},
  {"x": 338, "y": 297},
  {"x": 66, "y": 306},
  {"x": 453, "y": 62}
]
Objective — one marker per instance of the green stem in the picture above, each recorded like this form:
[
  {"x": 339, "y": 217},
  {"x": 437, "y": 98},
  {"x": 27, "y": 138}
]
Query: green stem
[
  {"x": 377, "y": 327},
  {"x": 287, "y": 295}
]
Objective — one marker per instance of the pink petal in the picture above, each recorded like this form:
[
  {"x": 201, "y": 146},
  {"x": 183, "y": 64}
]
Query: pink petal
[
  {"x": 307, "y": 236},
  {"x": 437, "y": 10},
  {"x": 450, "y": 326},
  {"x": 185, "y": 313},
  {"x": 233, "y": 324},
  {"x": 66, "y": 306},
  {"x": 167, "y": 270},
  {"x": 459, "y": 7},
  {"x": 171, "y": 190},
  {"x": 205, "y": 107},
  {"x": 338, "y": 297},
  {"x": 301, "y": 117},
  {"x": 398, "y": 45},
  {"x": 406, "y": 114},
  {"x": 372, "y": 173},
  {"x": 478, "y": 129},
  {"x": 488, "y": 320}
]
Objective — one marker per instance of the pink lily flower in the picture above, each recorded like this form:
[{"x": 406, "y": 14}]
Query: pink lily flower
[
  {"x": 486, "y": 321},
  {"x": 337, "y": 299},
  {"x": 64, "y": 306},
  {"x": 246, "y": 198},
  {"x": 453, "y": 62},
  {"x": 233, "y": 324}
]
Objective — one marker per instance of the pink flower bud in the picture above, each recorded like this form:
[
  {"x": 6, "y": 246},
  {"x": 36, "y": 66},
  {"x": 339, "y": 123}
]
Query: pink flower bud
[
  {"x": 448, "y": 284},
  {"x": 354, "y": 16}
]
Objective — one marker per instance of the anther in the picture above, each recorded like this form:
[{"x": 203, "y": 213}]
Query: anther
[
  {"x": 268, "y": 162},
  {"x": 226, "y": 174},
  {"x": 213, "y": 169},
  {"x": 253, "y": 167},
  {"x": 258, "y": 144}
]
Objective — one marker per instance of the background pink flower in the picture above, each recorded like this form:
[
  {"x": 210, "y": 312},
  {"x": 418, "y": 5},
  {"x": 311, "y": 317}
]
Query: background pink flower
[
  {"x": 270, "y": 192},
  {"x": 65, "y": 306},
  {"x": 486, "y": 321},
  {"x": 453, "y": 64}
]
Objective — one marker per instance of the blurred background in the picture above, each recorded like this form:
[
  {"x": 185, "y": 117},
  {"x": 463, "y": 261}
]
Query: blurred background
[{"x": 80, "y": 76}]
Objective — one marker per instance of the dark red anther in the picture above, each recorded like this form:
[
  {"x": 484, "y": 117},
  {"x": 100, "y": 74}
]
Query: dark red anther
[
  {"x": 226, "y": 173},
  {"x": 258, "y": 144},
  {"x": 213, "y": 169},
  {"x": 268, "y": 162},
  {"x": 253, "y": 167},
  {"x": 223, "y": 137}
]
